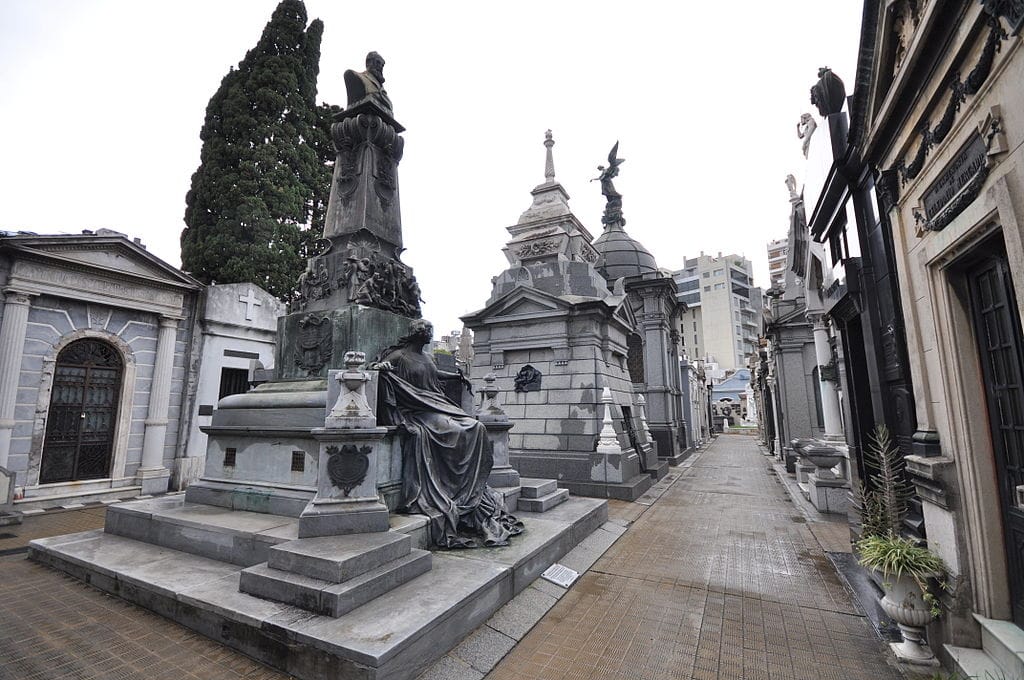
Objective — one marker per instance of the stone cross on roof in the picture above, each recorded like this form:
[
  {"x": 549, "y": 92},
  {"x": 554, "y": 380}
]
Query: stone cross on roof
[{"x": 250, "y": 301}]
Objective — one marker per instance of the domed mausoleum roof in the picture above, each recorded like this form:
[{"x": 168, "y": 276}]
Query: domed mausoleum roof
[{"x": 621, "y": 255}]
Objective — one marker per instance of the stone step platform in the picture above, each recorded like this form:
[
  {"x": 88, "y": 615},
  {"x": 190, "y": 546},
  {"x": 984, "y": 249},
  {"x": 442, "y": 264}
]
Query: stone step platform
[
  {"x": 396, "y": 635},
  {"x": 339, "y": 558},
  {"x": 660, "y": 470},
  {"x": 544, "y": 503},
  {"x": 537, "y": 488},
  {"x": 1001, "y": 654},
  {"x": 511, "y": 495},
  {"x": 329, "y": 597},
  {"x": 237, "y": 536}
]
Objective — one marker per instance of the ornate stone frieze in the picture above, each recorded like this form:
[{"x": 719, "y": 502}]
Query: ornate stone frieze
[
  {"x": 38, "y": 278},
  {"x": 536, "y": 248}
]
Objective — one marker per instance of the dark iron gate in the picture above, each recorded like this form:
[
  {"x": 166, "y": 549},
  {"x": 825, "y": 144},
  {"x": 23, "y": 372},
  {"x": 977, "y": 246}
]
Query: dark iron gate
[
  {"x": 998, "y": 332},
  {"x": 83, "y": 412}
]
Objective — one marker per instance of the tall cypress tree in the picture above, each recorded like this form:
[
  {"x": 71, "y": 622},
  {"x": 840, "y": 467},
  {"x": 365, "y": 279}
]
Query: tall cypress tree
[{"x": 255, "y": 201}]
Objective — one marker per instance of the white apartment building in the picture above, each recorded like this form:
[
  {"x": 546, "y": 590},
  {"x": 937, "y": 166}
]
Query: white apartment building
[
  {"x": 725, "y": 310},
  {"x": 777, "y": 251}
]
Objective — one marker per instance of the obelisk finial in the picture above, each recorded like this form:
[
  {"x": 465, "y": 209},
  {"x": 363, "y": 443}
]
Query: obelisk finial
[{"x": 549, "y": 163}]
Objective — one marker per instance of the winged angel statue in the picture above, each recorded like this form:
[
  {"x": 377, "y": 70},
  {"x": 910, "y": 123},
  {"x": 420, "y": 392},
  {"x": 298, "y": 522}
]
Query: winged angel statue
[{"x": 609, "y": 173}]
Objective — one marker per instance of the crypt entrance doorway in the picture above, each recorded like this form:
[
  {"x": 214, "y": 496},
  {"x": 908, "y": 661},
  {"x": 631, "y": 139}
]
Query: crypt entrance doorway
[
  {"x": 997, "y": 330},
  {"x": 82, "y": 415}
]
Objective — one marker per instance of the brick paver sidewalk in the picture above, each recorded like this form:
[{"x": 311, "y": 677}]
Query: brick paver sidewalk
[
  {"x": 53, "y": 627},
  {"x": 721, "y": 578}
]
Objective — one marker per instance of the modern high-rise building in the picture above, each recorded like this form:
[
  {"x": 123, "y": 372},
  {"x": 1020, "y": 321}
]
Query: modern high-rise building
[
  {"x": 777, "y": 251},
  {"x": 725, "y": 314}
]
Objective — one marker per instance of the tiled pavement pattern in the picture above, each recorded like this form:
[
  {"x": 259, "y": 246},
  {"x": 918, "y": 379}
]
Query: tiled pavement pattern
[
  {"x": 721, "y": 578},
  {"x": 54, "y": 627},
  {"x": 705, "y": 584}
]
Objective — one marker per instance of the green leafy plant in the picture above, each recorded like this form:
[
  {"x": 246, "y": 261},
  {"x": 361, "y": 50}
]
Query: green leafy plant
[
  {"x": 882, "y": 510},
  {"x": 895, "y": 556}
]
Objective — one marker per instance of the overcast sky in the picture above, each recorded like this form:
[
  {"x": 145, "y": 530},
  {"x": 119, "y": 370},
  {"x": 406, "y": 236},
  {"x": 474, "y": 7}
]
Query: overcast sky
[{"x": 101, "y": 103}]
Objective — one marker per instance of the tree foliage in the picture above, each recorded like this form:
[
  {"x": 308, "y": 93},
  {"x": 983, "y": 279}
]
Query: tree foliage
[{"x": 259, "y": 195}]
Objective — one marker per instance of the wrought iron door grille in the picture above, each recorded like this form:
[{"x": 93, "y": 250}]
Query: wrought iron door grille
[{"x": 83, "y": 412}]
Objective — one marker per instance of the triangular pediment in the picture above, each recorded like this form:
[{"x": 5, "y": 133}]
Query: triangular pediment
[
  {"x": 624, "y": 313},
  {"x": 107, "y": 253},
  {"x": 521, "y": 301}
]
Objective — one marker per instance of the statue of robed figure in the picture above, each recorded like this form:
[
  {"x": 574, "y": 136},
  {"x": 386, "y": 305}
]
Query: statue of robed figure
[{"x": 445, "y": 452}]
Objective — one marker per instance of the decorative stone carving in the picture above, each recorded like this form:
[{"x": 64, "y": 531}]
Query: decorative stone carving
[
  {"x": 347, "y": 466},
  {"x": 1011, "y": 10},
  {"x": 489, "y": 407},
  {"x": 315, "y": 345},
  {"x": 528, "y": 379},
  {"x": 829, "y": 93},
  {"x": 607, "y": 441},
  {"x": 375, "y": 280},
  {"x": 959, "y": 91},
  {"x": 352, "y": 409},
  {"x": 804, "y": 129},
  {"x": 906, "y": 16},
  {"x": 537, "y": 248}
]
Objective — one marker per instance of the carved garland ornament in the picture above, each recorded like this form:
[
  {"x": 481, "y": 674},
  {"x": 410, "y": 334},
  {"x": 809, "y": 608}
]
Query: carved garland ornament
[
  {"x": 537, "y": 248},
  {"x": 959, "y": 91}
]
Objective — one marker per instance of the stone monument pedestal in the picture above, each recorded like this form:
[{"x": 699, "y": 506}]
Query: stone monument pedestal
[
  {"x": 346, "y": 500},
  {"x": 829, "y": 495}
]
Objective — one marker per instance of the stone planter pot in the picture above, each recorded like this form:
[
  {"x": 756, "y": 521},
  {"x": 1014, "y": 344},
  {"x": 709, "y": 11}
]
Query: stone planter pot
[
  {"x": 904, "y": 604},
  {"x": 822, "y": 456}
]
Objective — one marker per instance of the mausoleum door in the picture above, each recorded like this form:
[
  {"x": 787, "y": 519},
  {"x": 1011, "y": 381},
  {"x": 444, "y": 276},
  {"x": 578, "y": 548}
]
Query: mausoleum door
[
  {"x": 83, "y": 412},
  {"x": 997, "y": 328}
]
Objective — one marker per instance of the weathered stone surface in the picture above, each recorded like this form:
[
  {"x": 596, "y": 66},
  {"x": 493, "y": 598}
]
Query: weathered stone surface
[
  {"x": 338, "y": 558},
  {"x": 330, "y": 598},
  {"x": 536, "y": 488},
  {"x": 544, "y": 503}
]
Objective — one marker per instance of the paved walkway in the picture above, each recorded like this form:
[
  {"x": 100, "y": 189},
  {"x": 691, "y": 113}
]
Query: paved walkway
[{"x": 722, "y": 577}]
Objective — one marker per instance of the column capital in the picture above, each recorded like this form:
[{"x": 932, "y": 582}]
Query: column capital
[
  {"x": 818, "y": 320},
  {"x": 12, "y": 296},
  {"x": 169, "y": 321}
]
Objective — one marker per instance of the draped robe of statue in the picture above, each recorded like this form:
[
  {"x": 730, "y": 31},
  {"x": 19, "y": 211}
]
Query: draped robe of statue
[{"x": 446, "y": 457}]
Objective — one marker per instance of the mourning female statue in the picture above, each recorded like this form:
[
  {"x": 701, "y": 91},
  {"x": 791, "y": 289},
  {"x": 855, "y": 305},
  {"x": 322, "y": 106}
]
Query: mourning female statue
[{"x": 446, "y": 458}]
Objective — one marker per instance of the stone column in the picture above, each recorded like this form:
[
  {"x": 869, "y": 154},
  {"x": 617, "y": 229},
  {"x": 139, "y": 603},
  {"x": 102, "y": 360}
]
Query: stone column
[
  {"x": 827, "y": 382},
  {"x": 12, "y": 342},
  {"x": 152, "y": 474}
]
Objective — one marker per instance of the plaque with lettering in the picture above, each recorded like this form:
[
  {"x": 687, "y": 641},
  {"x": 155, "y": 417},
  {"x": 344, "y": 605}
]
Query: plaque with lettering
[{"x": 971, "y": 160}]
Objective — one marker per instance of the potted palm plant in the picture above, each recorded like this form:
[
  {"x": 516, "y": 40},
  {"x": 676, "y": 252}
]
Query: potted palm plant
[{"x": 906, "y": 567}]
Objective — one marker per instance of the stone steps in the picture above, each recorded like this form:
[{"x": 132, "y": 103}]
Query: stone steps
[
  {"x": 536, "y": 488},
  {"x": 1001, "y": 655},
  {"x": 235, "y": 536},
  {"x": 328, "y": 597},
  {"x": 544, "y": 503},
  {"x": 395, "y": 635}
]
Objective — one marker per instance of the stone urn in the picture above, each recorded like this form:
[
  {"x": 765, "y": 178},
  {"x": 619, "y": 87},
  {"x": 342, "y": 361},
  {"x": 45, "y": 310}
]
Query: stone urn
[
  {"x": 823, "y": 456},
  {"x": 903, "y": 603}
]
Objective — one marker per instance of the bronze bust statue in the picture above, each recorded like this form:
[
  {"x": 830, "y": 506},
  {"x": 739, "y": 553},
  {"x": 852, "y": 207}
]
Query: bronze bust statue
[{"x": 368, "y": 86}]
